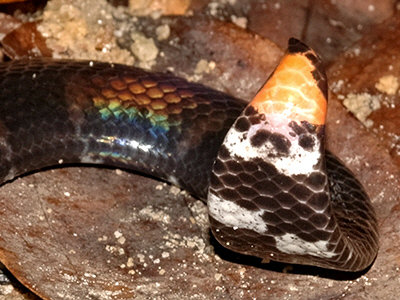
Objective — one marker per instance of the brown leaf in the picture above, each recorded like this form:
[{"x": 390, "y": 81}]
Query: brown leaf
[
  {"x": 69, "y": 245},
  {"x": 83, "y": 240},
  {"x": 239, "y": 61},
  {"x": 11, "y": 1},
  {"x": 25, "y": 41},
  {"x": 370, "y": 151}
]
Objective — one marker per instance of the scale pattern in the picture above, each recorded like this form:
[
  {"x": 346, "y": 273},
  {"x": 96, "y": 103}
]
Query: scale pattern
[
  {"x": 73, "y": 112},
  {"x": 275, "y": 193},
  {"x": 58, "y": 111}
]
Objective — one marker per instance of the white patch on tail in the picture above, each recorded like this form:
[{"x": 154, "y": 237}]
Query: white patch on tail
[
  {"x": 298, "y": 161},
  {"x": 235, "y": 216},
  {"x": 291, "y": 244}
]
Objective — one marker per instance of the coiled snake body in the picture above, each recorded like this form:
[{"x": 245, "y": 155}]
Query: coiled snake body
[{"x": 272, "y": 189}]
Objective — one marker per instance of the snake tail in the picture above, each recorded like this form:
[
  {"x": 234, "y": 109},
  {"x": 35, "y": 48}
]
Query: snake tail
[
  {"x": 271, "y": 194},
  {"x": 272, "y": 189}
]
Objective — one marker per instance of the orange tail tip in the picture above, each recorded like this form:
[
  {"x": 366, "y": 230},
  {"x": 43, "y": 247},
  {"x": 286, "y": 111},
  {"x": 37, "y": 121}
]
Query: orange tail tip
[{"x": 297, "y": 88}]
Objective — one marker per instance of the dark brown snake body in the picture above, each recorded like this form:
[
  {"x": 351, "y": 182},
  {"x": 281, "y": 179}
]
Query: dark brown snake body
[{"x": 55, "y": 112}]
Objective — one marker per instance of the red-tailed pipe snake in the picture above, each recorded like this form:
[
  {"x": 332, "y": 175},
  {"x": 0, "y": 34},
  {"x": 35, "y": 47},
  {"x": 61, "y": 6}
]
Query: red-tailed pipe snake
[{"x": 272, "y": 189}]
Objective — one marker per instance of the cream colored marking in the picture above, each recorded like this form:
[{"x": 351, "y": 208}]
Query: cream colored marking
[
  {"x": 233, "y": 215},
  {"x": 292, "y": 244},
  {"x": 297, "y": 161}
]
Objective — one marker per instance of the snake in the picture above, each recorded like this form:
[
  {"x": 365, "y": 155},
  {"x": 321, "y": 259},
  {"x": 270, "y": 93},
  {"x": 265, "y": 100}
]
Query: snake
[{"x": 272, "y": 189}]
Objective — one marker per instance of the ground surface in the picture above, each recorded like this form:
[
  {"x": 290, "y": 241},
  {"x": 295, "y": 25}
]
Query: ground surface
[{"x": 91, "y": 233}]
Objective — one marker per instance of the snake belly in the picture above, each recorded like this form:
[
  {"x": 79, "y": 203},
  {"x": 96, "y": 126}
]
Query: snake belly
[{"x": 61, "y": 111}]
